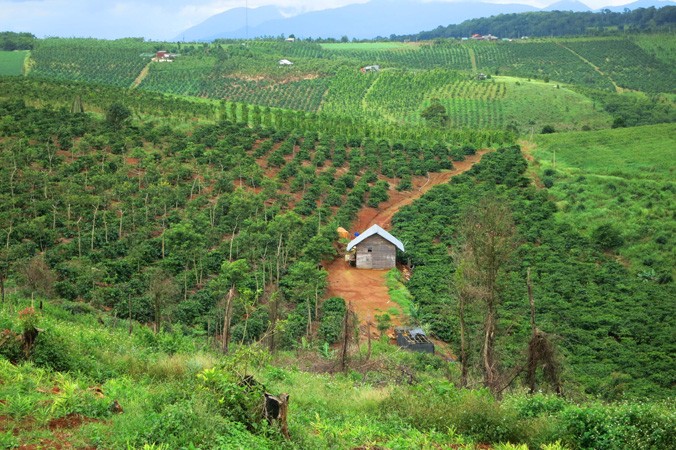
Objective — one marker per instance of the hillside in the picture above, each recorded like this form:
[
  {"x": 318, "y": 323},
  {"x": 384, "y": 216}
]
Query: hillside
[
  {"x": 560, "y": 19},
  {"x": 178, "y": 392},
  {"x": 171, "y": 224},
  {"x": 584, "y": 82}
]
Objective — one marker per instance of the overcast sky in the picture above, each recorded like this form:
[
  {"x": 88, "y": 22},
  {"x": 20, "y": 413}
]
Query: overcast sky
[{"x": 156, "y": 19}]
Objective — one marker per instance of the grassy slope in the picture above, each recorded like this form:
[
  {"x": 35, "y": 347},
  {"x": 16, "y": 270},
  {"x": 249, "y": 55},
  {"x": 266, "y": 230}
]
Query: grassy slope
[
  {"x": 542, "y": 104},
  {"x": 662, "y": 46},
  {"x": 11, "y": 63},
  {"x": 173, "y": 398},
  {"x": 624, "y": 177}
]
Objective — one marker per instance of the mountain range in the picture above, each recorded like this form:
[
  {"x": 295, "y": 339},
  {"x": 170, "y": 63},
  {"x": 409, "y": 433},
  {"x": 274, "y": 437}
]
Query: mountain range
[{"x": 367, "y": 20}]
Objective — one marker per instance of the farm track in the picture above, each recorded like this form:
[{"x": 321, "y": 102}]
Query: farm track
[
  {"x": 366, "y": 290},
  {"x": 141, "y": 76},
  {"x": 472, "y": 58}
]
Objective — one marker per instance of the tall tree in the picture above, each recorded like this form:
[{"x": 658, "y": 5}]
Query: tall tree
[
  {"x": 163, "y": 292},
  {"x": 489, "y": 237}
]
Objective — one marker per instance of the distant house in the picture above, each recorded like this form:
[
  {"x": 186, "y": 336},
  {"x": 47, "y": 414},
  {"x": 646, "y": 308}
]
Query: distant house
[
  {"x": 285, "y": 62},
  {"x": 481, "y": 76},
  {"x": 290, "y": 39},
  {"x": 375, "y": 248},
  {"x": 164, "y": 56},
  {"x": 488, "y": 37},
  {"x": 373, "y": 68}
]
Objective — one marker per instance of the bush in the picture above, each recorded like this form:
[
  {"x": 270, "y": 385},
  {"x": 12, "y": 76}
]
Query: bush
[
  {"x": 331, "y": 322},
  {"x": 607, "y": 237}
]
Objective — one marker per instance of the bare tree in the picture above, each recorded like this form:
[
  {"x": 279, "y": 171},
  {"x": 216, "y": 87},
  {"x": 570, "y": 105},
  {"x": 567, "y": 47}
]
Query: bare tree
[
  {"x": 163, "y": 292},
  {"x": 541, "y": 350},
  {"x": 37, "y": 277},
  {"x": 488, "y": 234}
]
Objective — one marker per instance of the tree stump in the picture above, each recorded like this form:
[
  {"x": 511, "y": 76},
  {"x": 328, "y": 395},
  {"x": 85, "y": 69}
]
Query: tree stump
[{"x": 276, "y": 410}]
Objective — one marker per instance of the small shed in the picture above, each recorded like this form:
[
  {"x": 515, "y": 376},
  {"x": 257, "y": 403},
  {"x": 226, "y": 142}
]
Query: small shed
[
  {"x": 413, "y": 339},
  {"x": 375, "y": 248},
  {"x": 285, "y": 62}
]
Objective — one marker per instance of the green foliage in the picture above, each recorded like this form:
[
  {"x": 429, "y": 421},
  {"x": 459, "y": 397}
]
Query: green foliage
[
  {"x": 603, "y": 304},
  {"x": 435, "y": 114},
  {"x": 333, "y": 312},
  {"x": 607, "y": 237},
  {"x": 117, "y": 114},
  {"x": 12, "y": 63}
]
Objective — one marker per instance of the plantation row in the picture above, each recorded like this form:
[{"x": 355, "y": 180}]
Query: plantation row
[
  {"x": 115, "y": 63},
  {"x": 612, "y": 327},
  {"x": 139, "y": 218},
  {"x": 627, "y": 64},
  {"x": 303, "y": 95}
]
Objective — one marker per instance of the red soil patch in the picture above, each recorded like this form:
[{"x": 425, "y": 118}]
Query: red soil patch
[
  {"x": 366, "y": 290},
  {"x": 69, "y": 421}
]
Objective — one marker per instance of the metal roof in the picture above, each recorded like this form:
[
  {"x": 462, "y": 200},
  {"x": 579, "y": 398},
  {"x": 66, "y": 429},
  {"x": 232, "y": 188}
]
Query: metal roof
[{"x": 375, "y": 229}]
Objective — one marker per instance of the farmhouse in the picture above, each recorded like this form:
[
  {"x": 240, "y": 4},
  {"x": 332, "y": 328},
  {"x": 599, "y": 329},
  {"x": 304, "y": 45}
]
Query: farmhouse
[
  {"x": 164, "y": 56},
  {"x": 285, "y": 62},
  {"x": 373, "y": 68},
  {"x": 375, "y": 248}
]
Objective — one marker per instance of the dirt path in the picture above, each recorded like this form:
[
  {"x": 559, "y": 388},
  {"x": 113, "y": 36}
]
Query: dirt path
[
  {"x": 366, "y": 290},
  {"x": 383, "y": 214},
  {"x": 472, "y": 58},
  {"x": 141, "y": 76}
]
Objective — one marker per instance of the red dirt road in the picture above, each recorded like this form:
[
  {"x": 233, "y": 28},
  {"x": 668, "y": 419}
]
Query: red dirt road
[{"x": 366, "y": 290}]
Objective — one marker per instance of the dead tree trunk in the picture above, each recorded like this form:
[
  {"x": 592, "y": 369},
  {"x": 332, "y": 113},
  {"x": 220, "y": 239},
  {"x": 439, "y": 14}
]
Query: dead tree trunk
[
  {"x": 346, "y": 338},
  {"x": 227, "y": 319},
  {"x": 276, "y": 409}
]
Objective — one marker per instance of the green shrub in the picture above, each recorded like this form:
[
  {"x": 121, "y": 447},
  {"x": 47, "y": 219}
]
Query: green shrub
[
  {"x": 331, "y": 322},
  {"x": 607, "y": 237}
]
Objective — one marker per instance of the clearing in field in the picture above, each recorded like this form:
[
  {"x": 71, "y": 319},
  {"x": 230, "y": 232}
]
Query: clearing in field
[{"x": 11, "y": 63}]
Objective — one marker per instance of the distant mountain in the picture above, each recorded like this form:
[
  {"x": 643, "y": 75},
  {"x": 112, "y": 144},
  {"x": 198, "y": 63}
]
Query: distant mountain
[
  {"x": 230, "y": 21},
  {"x": 639, "y": 4},
  {"x": 361, "y": 21},
  {"x": 370, "y": 20},
  {"x": 568, "y": 5}
]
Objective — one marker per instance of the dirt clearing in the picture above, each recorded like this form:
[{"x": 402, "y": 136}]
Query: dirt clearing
[{"x": 367, "y": 290}]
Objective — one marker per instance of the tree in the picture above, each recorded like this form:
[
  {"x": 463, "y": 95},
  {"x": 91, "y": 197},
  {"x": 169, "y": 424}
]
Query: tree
[
  {"x": 37, "y": 277},
  {"x": 607, "y": 237},
  {"x": 435, "y": 114},
  {"x": 231, "y": 277},
  {"x": 488, "y": 234},
  {"x": 163, "y": 292},
  {"x": 303, "y": 283},
  {"x": 117, "y": 115}
]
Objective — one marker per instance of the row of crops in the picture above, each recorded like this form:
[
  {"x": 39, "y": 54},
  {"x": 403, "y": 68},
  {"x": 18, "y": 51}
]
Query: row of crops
[
  {"x": 302, "y": 95},
  {"x": 627, "y": 64},
  {"x": 540, "y": 60},
  {"x": 115, "y": 63}
]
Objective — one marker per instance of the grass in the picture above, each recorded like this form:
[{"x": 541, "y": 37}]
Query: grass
[
  {"x": 399, "y": 293},
  {"x": 536, "y": 104},
  {"x": 376, "y": 404},
  {"x": 11, "y": 63},
  {"x": 624, "y": 177}
]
